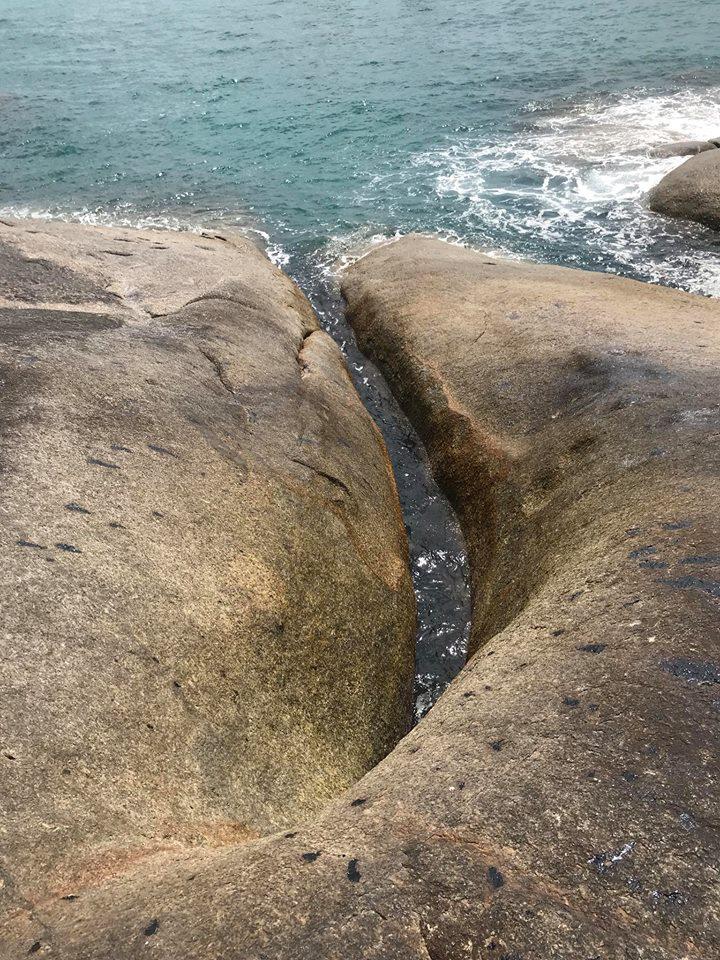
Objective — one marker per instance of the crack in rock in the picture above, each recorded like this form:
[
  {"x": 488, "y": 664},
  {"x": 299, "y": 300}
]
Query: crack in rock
[{"x": 219, "y": 368}]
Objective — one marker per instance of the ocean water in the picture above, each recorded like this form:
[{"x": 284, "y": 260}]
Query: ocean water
[{"x": 519, "y": 126}]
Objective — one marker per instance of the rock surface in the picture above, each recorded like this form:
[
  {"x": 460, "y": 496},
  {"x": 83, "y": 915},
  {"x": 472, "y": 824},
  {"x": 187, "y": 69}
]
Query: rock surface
[
  {"x": 691, "y": 191},
  {"x": 561, "y": 800},
  {"x": 684, "y": 148},
  {"x": 208, "y": 620}
]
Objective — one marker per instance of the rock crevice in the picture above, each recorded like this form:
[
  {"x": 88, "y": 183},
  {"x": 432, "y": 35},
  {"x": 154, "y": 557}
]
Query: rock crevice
[{"x": 561, "y": 798}]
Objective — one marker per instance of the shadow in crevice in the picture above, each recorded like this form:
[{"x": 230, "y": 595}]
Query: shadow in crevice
[{"x": 438, "y": 556}]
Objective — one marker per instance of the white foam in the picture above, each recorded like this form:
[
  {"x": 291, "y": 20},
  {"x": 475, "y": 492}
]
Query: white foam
[
  {"x": 579, "y": 176},
  {"x": 128, "y": 217},
  {"x": 275, "y": 252},
  {"x": 117, "y": 217}
]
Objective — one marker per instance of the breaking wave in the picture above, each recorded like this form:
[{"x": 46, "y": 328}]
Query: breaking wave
[{"x": 568, "y": 185}]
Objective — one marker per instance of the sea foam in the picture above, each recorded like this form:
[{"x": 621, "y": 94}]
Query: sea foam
[{"x": 568, "y": 184}]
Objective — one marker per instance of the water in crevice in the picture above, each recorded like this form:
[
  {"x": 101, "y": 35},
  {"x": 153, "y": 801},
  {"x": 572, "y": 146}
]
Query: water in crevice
[{"x": 438, "y": 558}]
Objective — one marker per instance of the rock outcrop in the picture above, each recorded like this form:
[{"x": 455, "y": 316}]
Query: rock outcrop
[
  {"x": 691, "y": 191},
  {"x": 684, "y": 148},
  {"x": 208, "y": 620},
  {"x": 561, "y": 800}
]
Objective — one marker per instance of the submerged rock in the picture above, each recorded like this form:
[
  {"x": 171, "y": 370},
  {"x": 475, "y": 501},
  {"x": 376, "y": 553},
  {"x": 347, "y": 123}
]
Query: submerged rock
[
  {"x": 561, "y": 800},
  {"x": 208, "y": 621},
  {"x": 691, "y": 191},
  {"x": 684, "y": 148}
]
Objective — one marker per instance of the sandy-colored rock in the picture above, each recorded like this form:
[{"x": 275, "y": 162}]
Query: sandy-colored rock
[
  {"x": 683, "y": 148},
  {"x": 561, "y": 800},
  {"x": 207, "y": 616},
  {"x": 691, "y": 191}
]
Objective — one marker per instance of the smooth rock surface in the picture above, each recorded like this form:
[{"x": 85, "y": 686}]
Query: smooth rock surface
[
  {"x": 561, "y": 800},
  {"x": 691, "y": 191},
  {"x": 683, "y": 148},
  {"x": 208, "y": 620}
]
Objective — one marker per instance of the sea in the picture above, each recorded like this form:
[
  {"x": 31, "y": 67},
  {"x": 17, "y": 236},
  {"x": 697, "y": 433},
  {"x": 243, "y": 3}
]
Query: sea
[{"x": 522, "y": 127}]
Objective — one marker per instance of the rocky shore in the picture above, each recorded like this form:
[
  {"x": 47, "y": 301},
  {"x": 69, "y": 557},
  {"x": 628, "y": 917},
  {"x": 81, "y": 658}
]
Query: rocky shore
[
  {"x": 560, "y": 801},
  {"x": 208, "y": 619},
  {"x": 691, "y": 191}
]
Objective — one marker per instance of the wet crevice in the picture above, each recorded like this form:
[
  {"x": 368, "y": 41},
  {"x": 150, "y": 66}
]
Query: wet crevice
[{"x": 438, "y": 556}]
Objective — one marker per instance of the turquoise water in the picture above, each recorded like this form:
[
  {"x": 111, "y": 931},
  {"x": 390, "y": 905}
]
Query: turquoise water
[{"x": 518, "y": 126}]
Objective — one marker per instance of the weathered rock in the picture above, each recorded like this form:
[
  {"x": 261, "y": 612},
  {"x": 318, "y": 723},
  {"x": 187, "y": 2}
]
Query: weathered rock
[
  {"x": 207, "y": 615},
  {"x": 691, "y": 191},
  {"x": 561, "y": 800},
  {"x": 683, "y": 148}
]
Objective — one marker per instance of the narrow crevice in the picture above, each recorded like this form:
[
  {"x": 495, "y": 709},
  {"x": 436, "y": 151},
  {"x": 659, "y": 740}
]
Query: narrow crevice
[
  {"x": 321, "y": 473},
  {"x": 218, "y": 294},
  {"x": 302, "y": 362},
  {"x": 438, "y": 556},
  {"x": 219, "y": 368}
]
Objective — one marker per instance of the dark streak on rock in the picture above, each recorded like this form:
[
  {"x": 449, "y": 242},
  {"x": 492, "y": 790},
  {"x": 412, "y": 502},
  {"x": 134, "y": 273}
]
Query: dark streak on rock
[
  {"x": 642, "y": 552},
  {"x": 68, "y": 548},
  {"x": 495, "y": 878},
  {"x": 162, "y": 450},
  {"x": 711, "y": 587},
  {"x": 692, "y": 670},
  {"x": 76, "y": 508},
  {"x": 321, "y": 473}
]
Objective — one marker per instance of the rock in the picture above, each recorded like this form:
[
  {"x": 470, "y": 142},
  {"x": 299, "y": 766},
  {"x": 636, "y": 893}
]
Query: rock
[
  {"x": 208, "y": 620},
  {"x": 683, "y": 148},
  {"x": 691, "y": 191},
  {"x": 561, "y": 799}
]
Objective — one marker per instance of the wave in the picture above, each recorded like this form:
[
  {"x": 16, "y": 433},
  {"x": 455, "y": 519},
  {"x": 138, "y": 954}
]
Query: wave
[
  {"x": 568, "y": 184},
  {"x": 117, "y": 217},
  {"x": 565, "y": 183},
  {"x": 126, "y": 215}
]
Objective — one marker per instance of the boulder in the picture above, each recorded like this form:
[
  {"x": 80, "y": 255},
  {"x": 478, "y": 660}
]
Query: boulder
[
  {"x": 561, "y": 800},
  {"x": 691, "y": 191},
  {"x": 683, "y": 148},
  {"x": 208, "y": 620}
]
